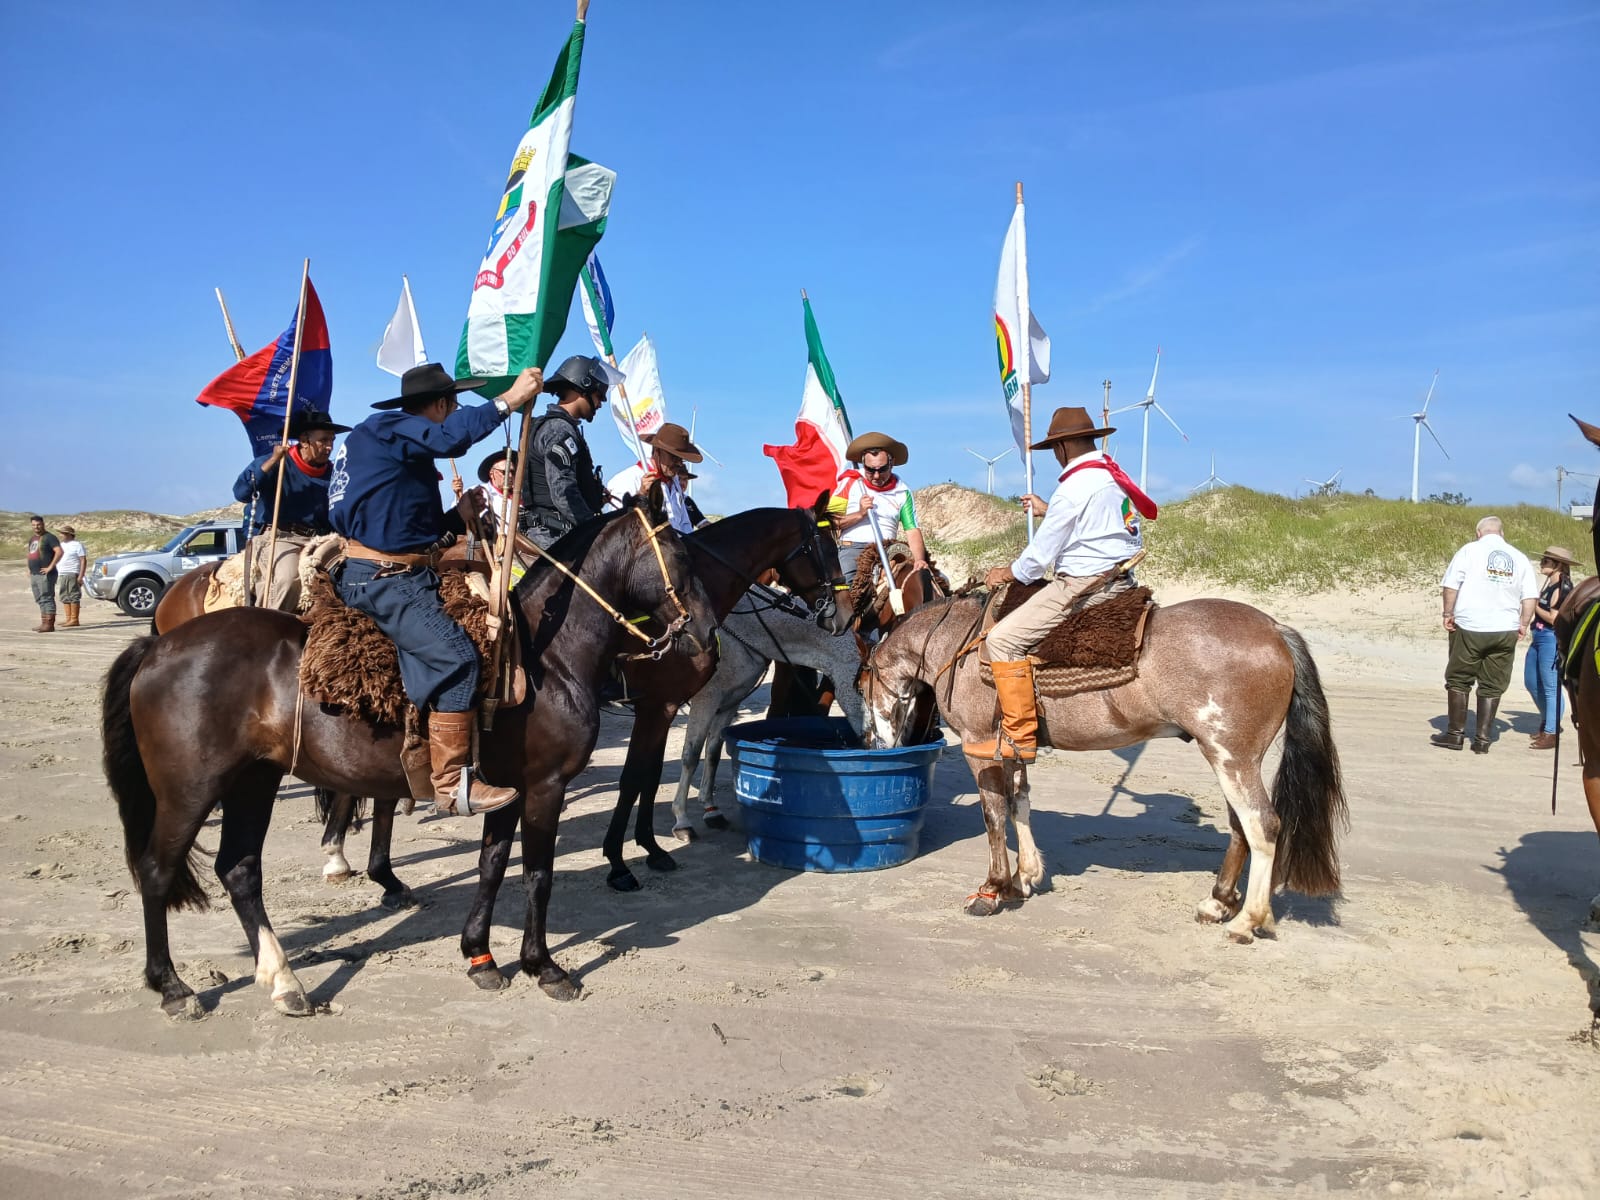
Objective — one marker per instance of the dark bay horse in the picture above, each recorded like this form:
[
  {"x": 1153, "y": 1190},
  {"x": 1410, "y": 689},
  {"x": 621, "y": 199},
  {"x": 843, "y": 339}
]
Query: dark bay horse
[
  {"x": 1224, "y": 674},
  {"x": 213, "y": 710},
  {"x": 1583, "y": 679}
]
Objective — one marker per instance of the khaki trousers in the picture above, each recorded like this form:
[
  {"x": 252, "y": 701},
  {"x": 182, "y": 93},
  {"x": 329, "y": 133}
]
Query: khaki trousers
[
  {"x": 280, "y": 587},
  {"x": 1017, "y": 635}
]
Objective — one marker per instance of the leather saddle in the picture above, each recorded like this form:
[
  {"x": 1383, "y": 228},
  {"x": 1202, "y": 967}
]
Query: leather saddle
[{"x": 1096, "y": 646}]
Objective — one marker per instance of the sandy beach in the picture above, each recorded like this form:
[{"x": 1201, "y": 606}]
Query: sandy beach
[{"x": 749, "y": 1031}]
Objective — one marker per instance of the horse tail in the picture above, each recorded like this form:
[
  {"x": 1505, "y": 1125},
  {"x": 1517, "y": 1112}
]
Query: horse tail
[
  {"x": 130, "y": 783},
  {"x": 1308, "y": 794}
]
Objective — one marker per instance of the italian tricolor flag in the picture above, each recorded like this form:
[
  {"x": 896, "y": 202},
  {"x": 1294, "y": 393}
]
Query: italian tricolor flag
[
  {"x": 551, "y": 215},
  {"x": 821, "y": 431}
]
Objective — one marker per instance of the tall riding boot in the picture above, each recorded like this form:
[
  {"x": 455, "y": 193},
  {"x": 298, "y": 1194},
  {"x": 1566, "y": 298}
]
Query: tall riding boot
[
  {"x": 47, "y": 623},
  {"x": 450, "y": 747},
  {"x": 1482, "y": 734},
  {"x": 1456, "y": 729},
  {"x": 72, "y": 617},
  {"x": 1019, "y": 715}
]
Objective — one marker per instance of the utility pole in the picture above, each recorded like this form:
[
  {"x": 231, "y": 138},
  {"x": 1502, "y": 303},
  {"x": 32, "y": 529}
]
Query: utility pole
[{"x": 1105, "y": 405}]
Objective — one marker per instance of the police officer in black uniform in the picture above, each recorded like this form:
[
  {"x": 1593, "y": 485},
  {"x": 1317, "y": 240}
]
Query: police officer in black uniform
[{"x": 562, "y": 486}]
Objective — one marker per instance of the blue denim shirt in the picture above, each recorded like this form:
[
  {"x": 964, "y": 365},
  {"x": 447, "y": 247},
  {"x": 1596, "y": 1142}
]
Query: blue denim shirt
[{"x": 304, "y": 502}]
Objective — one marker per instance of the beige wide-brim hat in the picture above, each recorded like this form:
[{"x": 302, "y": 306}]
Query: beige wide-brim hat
[
  {"x": 868, "y": 442},
  {"x": 1560, "y": 554}
]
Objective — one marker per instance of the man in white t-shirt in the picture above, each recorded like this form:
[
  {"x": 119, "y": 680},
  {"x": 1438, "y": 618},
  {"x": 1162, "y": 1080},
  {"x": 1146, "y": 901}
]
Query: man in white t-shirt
[
  {"x": 1488, "y": 590},
  {"x": 875, "y": 495},
  {"x": 72, "y": 567}
]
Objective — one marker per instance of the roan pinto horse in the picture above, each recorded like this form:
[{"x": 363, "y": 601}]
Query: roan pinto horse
[
  {"x": 1223, "y": 674},
  {"x": 213, "y": 711}
]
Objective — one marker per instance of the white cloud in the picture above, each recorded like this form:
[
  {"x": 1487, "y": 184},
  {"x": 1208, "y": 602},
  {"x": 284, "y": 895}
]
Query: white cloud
[{"x": 1530, "y": 478}]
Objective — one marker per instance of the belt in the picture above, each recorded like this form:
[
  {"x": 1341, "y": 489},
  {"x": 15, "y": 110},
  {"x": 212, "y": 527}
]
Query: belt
[{"x": 354, "y": 549}]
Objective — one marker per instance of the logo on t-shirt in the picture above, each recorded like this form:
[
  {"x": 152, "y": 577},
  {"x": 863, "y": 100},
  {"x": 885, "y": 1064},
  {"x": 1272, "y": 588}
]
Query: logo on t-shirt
[
  {"x": 340, "y": 479},
  {"x": 1500, "y": 568}
]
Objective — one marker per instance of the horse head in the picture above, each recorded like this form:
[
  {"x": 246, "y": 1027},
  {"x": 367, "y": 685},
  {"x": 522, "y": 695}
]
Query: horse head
[
  {"x": 812, "y": 572},
  {"x": 662, "y": 580}
]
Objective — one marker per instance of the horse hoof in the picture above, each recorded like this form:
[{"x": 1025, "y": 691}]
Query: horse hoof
[
  {"x": 717, "y": 821},
  {"x": 560, "y": 989},
  {"x": 1210, "y": 912},
  {"x": 292, "y": 1004},
  {"x": 488, "y": 977},
  {"x": 660, "y": 860},
  {"x": 395, "y": 901},
  {"x": 686, "y": 834},
  {"x": 1240, "y": 939},
  {"x": 981, "y": 906},
  {"x": 333, "y": 874},
  {"x": 621, "y": 880},
  {"x": 184, "y": 1008}
]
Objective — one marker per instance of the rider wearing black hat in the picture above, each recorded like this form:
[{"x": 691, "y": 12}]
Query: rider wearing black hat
[
  {"x": 302, "y": 504},
  {"x": 561, "y": 487}
]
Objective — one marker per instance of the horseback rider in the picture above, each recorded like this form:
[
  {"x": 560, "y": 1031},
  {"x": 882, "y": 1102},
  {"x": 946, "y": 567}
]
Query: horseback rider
[
  {"x": 875, "y": 493},
  {"x": 562, "y": 488},
  {"x": 384, "y": 499},
  {"x": 1089, "y": 528},
  {"x": 302, "y": 505},
  {"x": 494, "y": 492},
  {"x": 670, "y": 453}
]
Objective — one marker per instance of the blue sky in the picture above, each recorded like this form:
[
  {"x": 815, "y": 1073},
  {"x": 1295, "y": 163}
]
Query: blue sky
[{"x": 1309, "y": 205}]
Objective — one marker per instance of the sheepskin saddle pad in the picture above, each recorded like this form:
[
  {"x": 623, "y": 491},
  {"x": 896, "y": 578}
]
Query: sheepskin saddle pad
[
  {"x": 1095, "y": 647},
  {"x": 350, "y": 664}
]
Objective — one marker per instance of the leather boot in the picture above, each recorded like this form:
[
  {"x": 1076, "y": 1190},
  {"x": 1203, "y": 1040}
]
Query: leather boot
[
  {"x": 450, "y": 748},
  {"x": 72, "y": 617},
  {"x": 47, "y": 623},
  {"x": 1543, "y": 741},
  {"x": 1456, "y": 727},
  {"x": 1019, "y": 715},
  {"x": 1482, "y": 733}
]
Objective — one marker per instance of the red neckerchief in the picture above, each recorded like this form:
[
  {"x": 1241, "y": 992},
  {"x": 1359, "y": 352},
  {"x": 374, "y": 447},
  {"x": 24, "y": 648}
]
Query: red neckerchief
[
  {"x": 1145, "y": 506},
  {"x": 894, "y": 481},
  {"x": 305, "y": 467}
]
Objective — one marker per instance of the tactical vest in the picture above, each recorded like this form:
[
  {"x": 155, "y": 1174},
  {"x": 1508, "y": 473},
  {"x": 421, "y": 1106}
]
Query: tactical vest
[{"x": 539, "y": 504}]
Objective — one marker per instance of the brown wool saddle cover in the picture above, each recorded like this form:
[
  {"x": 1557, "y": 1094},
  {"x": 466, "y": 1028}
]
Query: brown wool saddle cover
[
  {"x": 350, "y": 664},
  {"x": 1094, "y": 648}
]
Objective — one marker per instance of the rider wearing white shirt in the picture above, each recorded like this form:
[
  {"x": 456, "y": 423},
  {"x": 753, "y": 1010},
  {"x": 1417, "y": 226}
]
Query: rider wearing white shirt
[{"x": 875, "y": 496}]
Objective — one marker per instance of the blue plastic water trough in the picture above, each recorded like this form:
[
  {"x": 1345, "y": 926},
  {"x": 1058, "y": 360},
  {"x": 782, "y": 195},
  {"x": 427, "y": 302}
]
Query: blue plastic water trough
[{"x": 812, "y": 799}]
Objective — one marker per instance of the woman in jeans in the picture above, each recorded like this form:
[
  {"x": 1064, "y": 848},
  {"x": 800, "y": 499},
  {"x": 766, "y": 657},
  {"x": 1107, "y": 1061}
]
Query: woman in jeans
[{"x": 1539, "y": 670}]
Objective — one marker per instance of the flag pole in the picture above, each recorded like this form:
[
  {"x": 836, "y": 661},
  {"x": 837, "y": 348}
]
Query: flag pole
[
  {"x": 1105, "y": 410},
  {"x": 250, "y": 512},
  {"x": 288, "y": 415},
  {"x": 1025, "y": 349},
  {"x": 233, "y": 338}
]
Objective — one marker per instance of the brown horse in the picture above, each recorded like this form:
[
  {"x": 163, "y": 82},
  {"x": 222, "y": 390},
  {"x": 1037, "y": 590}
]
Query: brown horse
[
  {"x": 1222, "y": 674},
  {"x": 213, "y": 710},
  {"x": 1582, "y": 676}
]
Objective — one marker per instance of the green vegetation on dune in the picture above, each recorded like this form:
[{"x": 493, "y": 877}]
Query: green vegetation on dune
[
  {"x": 103, "y": 531},
  {"x": 1264, "y": 542}
]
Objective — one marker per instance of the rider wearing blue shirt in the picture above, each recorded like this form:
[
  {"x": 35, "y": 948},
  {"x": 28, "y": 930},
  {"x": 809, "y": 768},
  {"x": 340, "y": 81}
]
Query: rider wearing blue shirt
[
  {"x": 302, "y": 505},
  {"x": 384, "y": 499}
]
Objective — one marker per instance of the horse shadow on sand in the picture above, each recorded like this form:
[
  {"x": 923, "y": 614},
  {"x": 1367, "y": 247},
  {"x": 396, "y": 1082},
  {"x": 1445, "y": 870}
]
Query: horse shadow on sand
[{"x": 1545, "y": 873}]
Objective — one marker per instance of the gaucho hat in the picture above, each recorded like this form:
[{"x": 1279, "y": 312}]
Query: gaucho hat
[
  {"x": 1592, "y": 432},
  {"x": 1069, "y": 423},
  {"x": 1560, "y": 554},
  {"x": 428, "y": 382},
  {"x": 674, "y": 439},
  {"x": 868, "y": 442},
  {"x": 509, "y": 457},
  {"x": 303, "y": 423}
]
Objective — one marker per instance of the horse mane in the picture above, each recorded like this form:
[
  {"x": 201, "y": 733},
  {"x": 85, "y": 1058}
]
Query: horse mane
[{"x": 571, "y": 547}]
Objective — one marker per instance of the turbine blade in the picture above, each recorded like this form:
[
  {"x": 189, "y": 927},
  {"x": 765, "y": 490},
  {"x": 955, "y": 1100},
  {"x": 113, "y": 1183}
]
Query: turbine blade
[
  {"x": 1170, "y": 421},
  {"x": 1336, "y": 475},
  {"x": 1127, "y": 408},
  {"x": 1431, "y": 386},
  {"x": 1435, "y": 437},
  {"x": 1003, "y": 453},
  {"x": 975, "y": 454},
  {"x": 1151, "y": 394}
]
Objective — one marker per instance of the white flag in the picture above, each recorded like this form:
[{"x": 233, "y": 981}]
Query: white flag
[
  {"x": 402, "y": 338},
  {"x": 1010, "y": 310},
  {"x": 644, "y": 410}
]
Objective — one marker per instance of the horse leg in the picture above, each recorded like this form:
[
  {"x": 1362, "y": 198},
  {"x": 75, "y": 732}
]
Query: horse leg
[
  {"x": 619, "y": 878},
  {"x": 694, "y": 744},
  {"x": 712, "y": 815},
  {"x": 238, "y": 866},
  {"x": 997, "y": 888},
  {"x": 165, "y": 860},
  {"x": 499, "y": 830},
  {"x": 379, "y": 868},
  {"x": 1030, "y": 876},
  {"x": 1247, "y": 798},
  {"x": 653, "y": 753},
  {"x": 540, "y": 814},
  {"x": 340, "y": 808},
  {"x": 1224, "y": 901}
]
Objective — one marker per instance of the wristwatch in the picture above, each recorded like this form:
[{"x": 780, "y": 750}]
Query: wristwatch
[{"x": 502, "y": 407}]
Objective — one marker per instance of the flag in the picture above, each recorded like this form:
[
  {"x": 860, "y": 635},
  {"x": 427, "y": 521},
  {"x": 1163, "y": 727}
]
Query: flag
[
  {"x": 257, "y": 388},
  {"x": 1008, "y": 317},
  {"x": 821, "y": 431},
  {"x": 599, "y": 313},
  {"x": 402, "y": 337},
  {"x": 643, "y": 412},
  {"x": 550, "y": 218}
]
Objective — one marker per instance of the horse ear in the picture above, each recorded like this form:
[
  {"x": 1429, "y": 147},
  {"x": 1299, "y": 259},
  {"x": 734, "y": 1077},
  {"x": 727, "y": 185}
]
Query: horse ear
[
  {"x": 820, "y": 508},
  {"x": 656, "y": 502}
]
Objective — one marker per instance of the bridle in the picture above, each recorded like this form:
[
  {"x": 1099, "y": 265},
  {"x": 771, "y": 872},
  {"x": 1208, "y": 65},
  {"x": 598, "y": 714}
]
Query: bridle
[
  {"x": 825, "y": 607},
  {"x": 899, "y": 713}
]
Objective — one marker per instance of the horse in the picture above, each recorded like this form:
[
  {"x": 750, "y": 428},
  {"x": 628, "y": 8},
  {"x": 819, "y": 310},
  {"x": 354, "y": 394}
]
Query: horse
[
  {"x": 726, "y": 556},
  {"x": 760, "y": 630},
  {"x": 184, "y": 600},
  {"x": 1576, "y": 646},
  {"x": 1222, "y": 674},
  {"x": 214, "y": 710}
]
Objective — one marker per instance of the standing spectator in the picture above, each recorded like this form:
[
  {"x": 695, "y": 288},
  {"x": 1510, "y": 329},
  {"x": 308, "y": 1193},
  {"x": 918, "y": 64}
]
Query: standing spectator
[
  {"x": 74, "y": 562},
  {"x": 1540, "y": 671},
  {"x": 1489, "y": 593},
  {"x": 44, "y": 553}
]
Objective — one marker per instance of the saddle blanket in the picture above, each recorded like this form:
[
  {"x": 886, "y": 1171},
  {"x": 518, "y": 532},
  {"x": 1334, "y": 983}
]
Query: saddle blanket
[{"x": 1096, "y": 647}]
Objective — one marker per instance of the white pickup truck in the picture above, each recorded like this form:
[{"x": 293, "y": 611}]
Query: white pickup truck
[{"x": 136, "y": 579}]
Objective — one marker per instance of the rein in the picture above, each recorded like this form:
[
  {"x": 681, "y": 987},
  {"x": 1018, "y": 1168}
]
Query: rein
[{"x": 824, "y": 607}]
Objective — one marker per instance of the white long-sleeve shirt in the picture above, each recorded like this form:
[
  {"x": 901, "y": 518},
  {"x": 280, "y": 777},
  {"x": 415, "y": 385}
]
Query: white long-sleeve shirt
[{"x": 1089, "y": 526}]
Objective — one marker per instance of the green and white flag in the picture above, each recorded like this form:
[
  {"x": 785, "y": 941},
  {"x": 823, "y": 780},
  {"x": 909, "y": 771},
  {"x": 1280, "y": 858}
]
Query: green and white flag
[{"x": 551, "y": 215}]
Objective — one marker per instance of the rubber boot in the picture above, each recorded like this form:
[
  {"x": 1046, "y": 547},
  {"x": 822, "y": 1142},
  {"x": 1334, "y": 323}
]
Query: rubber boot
[
  {"x": 72, "y": 617},
  {"x": 1456, "y": 727},
  {"x": 450, "y": 749},
  {"x": 1019, "y": 715},
  {"x": 47, "y": 623},
  {"x": 1483, "y": 733}
]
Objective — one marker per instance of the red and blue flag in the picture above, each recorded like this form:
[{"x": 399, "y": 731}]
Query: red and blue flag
[{"x": 257, "y": 388}]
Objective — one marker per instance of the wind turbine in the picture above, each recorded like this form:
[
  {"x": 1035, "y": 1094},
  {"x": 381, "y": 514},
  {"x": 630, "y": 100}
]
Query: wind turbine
[
  {"x": 990, "y": 462},
  {"x": 1147, "y": 404},
  {"x": 1211, "y": 481},
  {"x": 1421, "y": 419},
  {"x": 1325, "y": 486}
]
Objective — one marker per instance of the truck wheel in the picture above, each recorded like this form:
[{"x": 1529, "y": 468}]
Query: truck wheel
[{"x": 140, "y": 595}]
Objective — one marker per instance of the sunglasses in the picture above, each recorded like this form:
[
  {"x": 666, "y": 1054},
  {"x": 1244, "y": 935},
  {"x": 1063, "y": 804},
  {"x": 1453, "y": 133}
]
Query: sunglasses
[{"x": 883, "y": 470}]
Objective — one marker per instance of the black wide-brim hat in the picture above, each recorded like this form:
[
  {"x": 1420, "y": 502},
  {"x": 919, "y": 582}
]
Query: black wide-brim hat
[
  {"x": 1069, "y": 423},
  {"x": 312, "y": 421},
  {"x": 428, "y": 382},
  {"x": 509, "y": 457}
]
